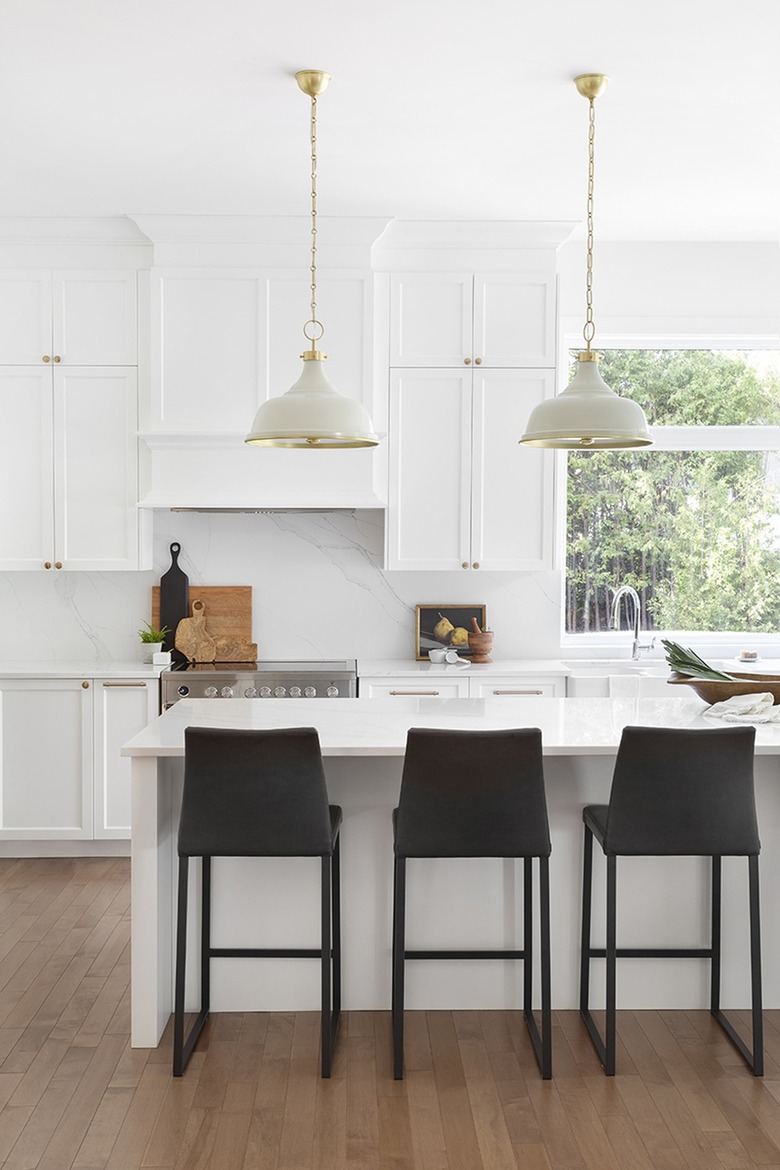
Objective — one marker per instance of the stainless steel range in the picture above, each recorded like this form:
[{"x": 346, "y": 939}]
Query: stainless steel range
[{"x": 259, "y": 680}]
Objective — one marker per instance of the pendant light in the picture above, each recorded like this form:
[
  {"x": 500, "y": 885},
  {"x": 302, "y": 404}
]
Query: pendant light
[
  {"x": 587, "y": 415},
  {"x": 312, "y": 414}
]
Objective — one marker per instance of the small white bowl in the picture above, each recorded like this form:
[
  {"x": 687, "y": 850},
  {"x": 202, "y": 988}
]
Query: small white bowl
[{"x": 437, "y": 655}]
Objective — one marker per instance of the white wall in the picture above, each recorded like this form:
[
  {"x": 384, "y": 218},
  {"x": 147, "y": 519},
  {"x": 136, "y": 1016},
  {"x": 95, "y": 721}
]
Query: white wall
[{"x": 318, "y": 590}]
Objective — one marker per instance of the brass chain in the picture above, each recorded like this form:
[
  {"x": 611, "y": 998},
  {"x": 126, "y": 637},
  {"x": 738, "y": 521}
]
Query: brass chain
[
  {"x": 590, "y": 329},
  {"x": 313, "y": 268}
]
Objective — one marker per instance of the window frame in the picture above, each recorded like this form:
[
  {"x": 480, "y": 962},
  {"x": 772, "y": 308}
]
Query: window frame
[{"x": 672, "y": 438}]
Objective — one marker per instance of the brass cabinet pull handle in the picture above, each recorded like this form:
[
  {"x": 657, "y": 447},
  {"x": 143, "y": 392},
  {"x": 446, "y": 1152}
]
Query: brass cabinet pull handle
[
  {"x": 128, "y": 684},
  {"x": 518, "y": 692},
  {"x": 58, "y": 564},
  {"x": 46, "y": 358},
  {"x": 413, "y": 692},
  {"x": 57, "y": 357},
  {"x": 465, "y": 565},
  {"x": 85, "y": 686},
  {"x": 475, "y": 565},
  {"x": 477, "y": 361},
  {"x": 47, "y": 564},
  {"x": 467, "y": 361}
]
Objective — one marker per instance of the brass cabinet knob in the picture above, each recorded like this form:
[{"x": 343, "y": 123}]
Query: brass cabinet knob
[
  {"x": 475, "y": 565},
  {"x": 467, "y": 361},
  {"x": 465, "y": 565},
  {"x": 46, "y": 358},
  {"x": 58, "y": 564},
  {"x": 57, "y": 357},
  {"x": 47, "y": 564},
  {"x": 477, "y": 361},
  {"x": 85, "y": 686}
]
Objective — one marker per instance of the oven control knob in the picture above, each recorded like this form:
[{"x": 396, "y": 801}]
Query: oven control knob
[
  {"x": 265, "y": 692},
  {"x": 227, "y": 692},
  {"x": 310, "y": 692},
  {"x": 183, "y": 691},
  {"x": 280, "y": 692},
  {"x": 250, "y": 692},
  {"x": 332, "y": 692},
  {"x": 210, "y": 692},
  {"x": 295, "y": 692}
]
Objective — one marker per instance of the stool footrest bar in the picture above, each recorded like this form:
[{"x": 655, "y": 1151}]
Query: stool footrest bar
[
  {"x": 464, "y": 954},
  {"x": 653, "y": 953}
]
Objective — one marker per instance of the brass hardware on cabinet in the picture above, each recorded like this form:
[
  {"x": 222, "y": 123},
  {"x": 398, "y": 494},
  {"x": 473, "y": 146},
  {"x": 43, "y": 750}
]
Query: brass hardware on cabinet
[
  {"x": 47, "y": 564},
  {"x": 465, "y": 565},
  {"x": 46, "y": 358},
  {"x": 57, "y": 357},
  {"x": 58, "y": 564},
  {"x": 477, "y": 361},
  {"x": 475, "y": 565},
  {"x": 136, "y": 684},
  {"x": 413, "y": 692},
  {"x": 518, "y": 692},
  {"x": 85, "y": 686},
  {"x": 467, "y": 361}
]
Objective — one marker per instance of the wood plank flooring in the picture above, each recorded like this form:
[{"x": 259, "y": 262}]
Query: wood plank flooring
[{"x": 73, "y": 1094}]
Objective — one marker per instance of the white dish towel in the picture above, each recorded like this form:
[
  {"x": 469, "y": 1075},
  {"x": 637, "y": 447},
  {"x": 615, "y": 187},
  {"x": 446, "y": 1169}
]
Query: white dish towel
[{"x": 757, "y": 708}]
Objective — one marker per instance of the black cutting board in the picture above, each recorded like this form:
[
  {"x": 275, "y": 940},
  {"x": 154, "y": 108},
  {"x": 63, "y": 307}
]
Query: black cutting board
[{"x": 174, "y": 601}]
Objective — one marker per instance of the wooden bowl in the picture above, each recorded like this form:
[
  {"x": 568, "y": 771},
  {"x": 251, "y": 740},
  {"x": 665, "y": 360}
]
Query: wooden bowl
[{"x": 716, "y": 690}]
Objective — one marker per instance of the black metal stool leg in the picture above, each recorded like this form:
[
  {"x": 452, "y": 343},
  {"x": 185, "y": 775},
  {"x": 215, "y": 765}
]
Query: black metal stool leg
[
  {"x": 181, "y": 960},
  {"x": 326, "y": 964},
  {"x": 755, "y": 968},
  {"x": 544, "y": 945},
  {"x": 587, "y": 898},
  {"x": 399, "y": 945},
  {"x": 715, "y": 936},
  {"x": 336, "y": 920},
  {"x": 205, "y": 936},
  {"x": 609, "y": 1061},
  {"x": 528, "y": 936}
]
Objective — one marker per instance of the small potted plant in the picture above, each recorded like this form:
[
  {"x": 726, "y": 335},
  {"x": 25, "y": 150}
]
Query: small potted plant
[{"x": 152, "y": 640}]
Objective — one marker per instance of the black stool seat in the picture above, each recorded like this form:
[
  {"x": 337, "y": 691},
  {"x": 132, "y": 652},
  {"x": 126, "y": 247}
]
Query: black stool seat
[
  {"x": 475, "y": 794},
  {"x": 675, "y": 792},
  {"x": 257, "y": 794}
]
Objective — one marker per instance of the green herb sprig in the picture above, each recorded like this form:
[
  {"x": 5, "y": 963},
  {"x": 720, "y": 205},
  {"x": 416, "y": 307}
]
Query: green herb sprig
[{"x": 686, "y": 661}]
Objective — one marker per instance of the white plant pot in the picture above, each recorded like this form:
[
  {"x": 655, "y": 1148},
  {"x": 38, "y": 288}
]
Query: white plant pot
[{"x": 150, "y": 648}]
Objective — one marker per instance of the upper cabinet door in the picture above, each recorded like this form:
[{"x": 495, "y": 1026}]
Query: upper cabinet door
[
  {"x": 95, "y": 318},
  {"x": 26, "y": 481},
  {"x": 208, "y": 349},
  {"x": 25, "y": 318},
  {"x": 512, "y": 486},
  {"x": 514, "y": 320},
  {"x": 431, "y": 319}
]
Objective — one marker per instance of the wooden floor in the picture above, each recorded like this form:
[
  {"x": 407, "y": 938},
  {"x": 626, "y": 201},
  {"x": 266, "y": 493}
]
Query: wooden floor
[{"x": 74, "y": 1094}]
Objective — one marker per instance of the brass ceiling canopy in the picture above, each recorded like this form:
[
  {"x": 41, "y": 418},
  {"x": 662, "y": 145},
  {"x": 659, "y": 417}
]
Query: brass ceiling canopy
[{"x": 587, "y": 415}]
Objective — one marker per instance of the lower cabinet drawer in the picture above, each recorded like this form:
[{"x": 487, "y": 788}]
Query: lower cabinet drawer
[
  {"x": 457, "y": 689},
  {"x": 513, "y": 688}
]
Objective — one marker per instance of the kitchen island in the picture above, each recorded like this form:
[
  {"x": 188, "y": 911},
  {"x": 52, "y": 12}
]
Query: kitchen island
[{"x": 473, "y": 903}]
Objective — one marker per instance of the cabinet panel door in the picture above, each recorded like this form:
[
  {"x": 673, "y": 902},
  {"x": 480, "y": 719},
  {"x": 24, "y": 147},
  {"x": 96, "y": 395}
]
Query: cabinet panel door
[
  {"x": 410, "y": 688},
  {"x": 95, "y": 318},
  {"x": 25, "y": 317},
  {"x": 516, "y": 687},
  {"x": 431, "y": 319},
  {"x": 45, "y": 759},
  {"x": 123, "y": 707},
  {"x": 96, "y": 472},
  {"x": 514, "y": 319},
  {"x": 429, "y": 441},
  {"x": 512, "y": 515},
  {"x": 207, "y": 349},
  {"x": 26, "y": 478}
]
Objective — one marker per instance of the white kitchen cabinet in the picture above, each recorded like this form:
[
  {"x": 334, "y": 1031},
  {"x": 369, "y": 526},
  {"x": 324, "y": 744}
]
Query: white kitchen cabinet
[
  {"x": 73, "y": 317},
  {"x": 69, "y": 475},
  {"x": 547, "y": 686},
  {"x": 452, "y": 319},
  {"x": 462, "y": 684},
  {"x": 45, "y": 759},
  {"x": 463, "y": 494},
  {"x": 413, "y": 686},
  {"x": 122, "y": 707}
]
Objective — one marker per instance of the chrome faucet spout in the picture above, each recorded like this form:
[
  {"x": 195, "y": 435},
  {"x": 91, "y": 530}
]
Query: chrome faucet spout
[{"x": 631, "y": 594}]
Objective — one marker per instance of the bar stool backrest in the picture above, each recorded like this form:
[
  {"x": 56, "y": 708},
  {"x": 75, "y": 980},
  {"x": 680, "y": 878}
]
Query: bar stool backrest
[
  {"x": 472, "y": 794},
  {"x": 254, "y": 794},
  {"x": 683, "y": 792}
]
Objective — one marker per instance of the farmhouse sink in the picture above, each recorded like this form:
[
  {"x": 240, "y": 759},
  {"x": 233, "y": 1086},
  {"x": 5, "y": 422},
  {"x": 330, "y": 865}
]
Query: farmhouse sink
[
  {"x": 607, "y": 666},
  {"x": 620, "y": 678}
]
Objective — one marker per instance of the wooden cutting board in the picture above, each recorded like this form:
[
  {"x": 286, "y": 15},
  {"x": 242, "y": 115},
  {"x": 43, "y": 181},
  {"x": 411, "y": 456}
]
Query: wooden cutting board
[{"x": 228, "y": 619}]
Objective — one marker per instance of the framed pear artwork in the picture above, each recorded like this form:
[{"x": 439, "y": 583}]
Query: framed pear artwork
[{"x": 447, "y": 625}]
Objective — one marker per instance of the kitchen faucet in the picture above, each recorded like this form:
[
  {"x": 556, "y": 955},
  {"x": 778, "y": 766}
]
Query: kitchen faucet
[{"x": 631, "y": 593}]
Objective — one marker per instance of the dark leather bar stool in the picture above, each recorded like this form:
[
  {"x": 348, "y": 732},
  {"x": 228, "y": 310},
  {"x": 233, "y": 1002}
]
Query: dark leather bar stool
[
  {"x": 257, "y": 794},
  {"x": 675, "y": 792},
  {"x": 475, "y": 794}
]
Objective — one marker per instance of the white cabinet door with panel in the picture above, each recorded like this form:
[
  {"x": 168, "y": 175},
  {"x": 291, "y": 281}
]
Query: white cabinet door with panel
[
  {"x": 515, "y": 686},
  {"x": 123, "y": 707},
  {"x": 494, "y": 320},
  {"x": 45, "y": 759},
  {"x": 68, "y": 317},
  {"x": 26, "y": 468},
  {"x": 463, "y": 494}
]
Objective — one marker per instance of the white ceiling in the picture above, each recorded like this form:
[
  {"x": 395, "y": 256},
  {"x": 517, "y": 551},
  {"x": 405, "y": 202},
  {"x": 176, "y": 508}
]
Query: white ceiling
[{"x": 438, "y": 109}]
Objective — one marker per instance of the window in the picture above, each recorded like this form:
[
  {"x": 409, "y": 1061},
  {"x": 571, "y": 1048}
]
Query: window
[{"x": 692, "y": 523}]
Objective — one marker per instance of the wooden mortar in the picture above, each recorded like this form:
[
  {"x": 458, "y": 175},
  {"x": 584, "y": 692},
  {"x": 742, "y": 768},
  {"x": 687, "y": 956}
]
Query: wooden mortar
[{"x": 480, "y": 644}]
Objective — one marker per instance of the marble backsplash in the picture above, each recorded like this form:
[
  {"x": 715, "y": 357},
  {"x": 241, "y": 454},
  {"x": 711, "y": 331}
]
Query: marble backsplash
[{"x": 318, "y": 592}]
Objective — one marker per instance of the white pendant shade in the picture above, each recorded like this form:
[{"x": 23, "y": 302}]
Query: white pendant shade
[
  {"x": 587, "y": 415},
  {"x": 312, "y": 414}
]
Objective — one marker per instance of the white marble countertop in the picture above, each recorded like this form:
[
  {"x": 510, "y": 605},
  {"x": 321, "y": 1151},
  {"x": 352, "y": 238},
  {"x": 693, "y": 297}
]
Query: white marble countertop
[
  {"x": 377, "y": 727},
  {"x": 133, "y": 668},
  {"x": 393, "y": 667}
]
